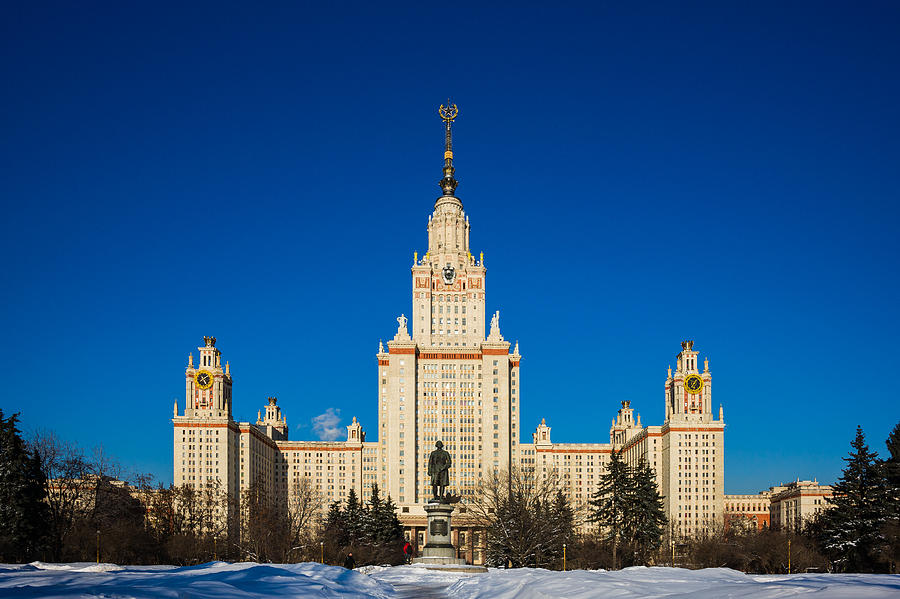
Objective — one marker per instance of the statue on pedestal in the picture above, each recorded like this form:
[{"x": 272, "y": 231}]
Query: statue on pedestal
[{"x": 439, "y": 470}]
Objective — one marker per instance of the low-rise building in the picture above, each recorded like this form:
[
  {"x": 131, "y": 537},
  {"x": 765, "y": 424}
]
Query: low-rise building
[
  {"x": 747, "y": 512},
  {"x": 794, "y": 504}
]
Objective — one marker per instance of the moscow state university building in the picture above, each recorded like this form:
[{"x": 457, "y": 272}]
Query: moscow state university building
[{"x": 449, "y": 374}]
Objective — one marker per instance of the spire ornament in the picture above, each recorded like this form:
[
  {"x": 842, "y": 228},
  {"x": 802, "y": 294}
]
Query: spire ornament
[{"x": 448, "y": 114}]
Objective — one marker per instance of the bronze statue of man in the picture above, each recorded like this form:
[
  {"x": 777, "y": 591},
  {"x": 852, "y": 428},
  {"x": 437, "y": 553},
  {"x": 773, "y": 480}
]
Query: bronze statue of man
[{"x": 439, "y": 470}]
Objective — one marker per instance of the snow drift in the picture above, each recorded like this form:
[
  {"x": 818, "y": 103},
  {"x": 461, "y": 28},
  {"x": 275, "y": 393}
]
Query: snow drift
[
  {"x": 632, "y": 583},
  {"x": 219, "y": 580},
  {"x": 215, "y": 580}
]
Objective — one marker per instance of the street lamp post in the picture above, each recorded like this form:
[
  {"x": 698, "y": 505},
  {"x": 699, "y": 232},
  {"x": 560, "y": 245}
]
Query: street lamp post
[
  {"x": 98, "y": 545},
  {"x": 564, "y": 557},
  {"x": 322, "y": 550},
  {"x": 789, "y": 555}
]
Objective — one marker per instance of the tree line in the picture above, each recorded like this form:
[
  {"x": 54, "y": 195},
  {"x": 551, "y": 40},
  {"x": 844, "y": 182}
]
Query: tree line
[
  {"x": 859, "y": 531},
  {"x": 370, "y": 530},
  {"x": 61, "y": 503},
  {"x": 528, "y": 522}
]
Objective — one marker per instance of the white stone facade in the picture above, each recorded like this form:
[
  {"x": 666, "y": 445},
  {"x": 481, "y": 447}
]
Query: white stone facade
[
  {"x": 686, "y": 452},
  {"x": 795, "y": 503},
  {"x": 442, "y": 377},
  {"x": 786, "y": 506}
]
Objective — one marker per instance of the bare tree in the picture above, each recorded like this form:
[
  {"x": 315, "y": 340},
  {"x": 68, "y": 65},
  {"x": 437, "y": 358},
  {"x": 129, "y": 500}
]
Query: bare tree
[
  {"x": 264, "y": 525},
  {"x": 69, "y": 487},
  {"x": 304, "y": 516},
  {"x": 521, "y": 513}
]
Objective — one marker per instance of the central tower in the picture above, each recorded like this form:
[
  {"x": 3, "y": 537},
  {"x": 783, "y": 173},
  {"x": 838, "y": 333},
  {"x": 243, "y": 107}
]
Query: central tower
[
  {"x": 448, "y": 283},
  {"x": 441, "y": 378}
]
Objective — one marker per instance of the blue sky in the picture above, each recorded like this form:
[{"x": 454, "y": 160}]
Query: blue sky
[{"x": 635, "y": 174}]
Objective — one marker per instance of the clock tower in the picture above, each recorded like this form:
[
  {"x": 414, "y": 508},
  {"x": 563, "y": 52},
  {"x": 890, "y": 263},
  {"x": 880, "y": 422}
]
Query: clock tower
[
  {"x": 207, "y": 384},
  {"x": 692, "y": 456},
  {"x": 689, "y": 391},
  {"x": 205, "y": 436}
]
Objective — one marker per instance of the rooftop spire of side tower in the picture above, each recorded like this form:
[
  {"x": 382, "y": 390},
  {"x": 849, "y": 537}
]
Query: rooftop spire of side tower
[{"x": 448, "y": 183}]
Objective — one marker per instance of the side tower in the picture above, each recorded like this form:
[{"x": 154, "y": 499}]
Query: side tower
[
  {"x": 205, "y": 436},
  {"x": 693, "y": 457},
  {"x": 440, "y": 377},
  {"x": 207, "y": 387}
]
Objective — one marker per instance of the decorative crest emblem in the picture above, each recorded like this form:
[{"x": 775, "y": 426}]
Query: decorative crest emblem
[
  {"x": 449, "y": 274},
  {"x": 448, "y": 112}
]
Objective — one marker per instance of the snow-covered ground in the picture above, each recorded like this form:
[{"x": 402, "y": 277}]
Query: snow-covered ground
[
  {"x": 232, "y": 581},
  {"x": 714, "y": 583},
  {"x": 215, "y": 580}
]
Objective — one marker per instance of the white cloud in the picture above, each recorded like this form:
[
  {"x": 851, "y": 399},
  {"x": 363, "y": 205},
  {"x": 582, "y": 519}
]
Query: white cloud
[{"x": 328, "y": 425}]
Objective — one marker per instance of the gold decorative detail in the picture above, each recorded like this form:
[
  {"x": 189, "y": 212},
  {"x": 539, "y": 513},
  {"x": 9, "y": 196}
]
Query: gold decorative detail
[
  {"x": 415, "y": 257},
  {"x": 693, "y": 383},
  {"x": 448, "y": 154},
  {"x": 448, "y": 112},
  {"x": 204, "y": 379}
]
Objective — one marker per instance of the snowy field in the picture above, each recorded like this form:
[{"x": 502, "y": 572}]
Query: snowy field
[
  {"x": 632, "y": 583},
  {"x": 245, "y": 580},
  {"x": 215, "y": 580}
]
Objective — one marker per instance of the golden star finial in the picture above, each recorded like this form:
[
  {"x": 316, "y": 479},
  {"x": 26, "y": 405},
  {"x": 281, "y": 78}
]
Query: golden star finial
[{"x": 448, "y": 112}]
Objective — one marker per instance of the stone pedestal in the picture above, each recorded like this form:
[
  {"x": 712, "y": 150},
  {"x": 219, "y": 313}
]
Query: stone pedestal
[{"x": 439, "y": 550}]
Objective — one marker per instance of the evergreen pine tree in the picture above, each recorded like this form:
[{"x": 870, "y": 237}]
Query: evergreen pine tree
[
  {"x": 372, "y": 531},
  {"x": 354, "y": 518},
  {"x": 534, "y": 521},
  {"x": 383, "y": 526},
  {"x": 389, "y": 527},
  {"x": 646, "y": 518},
  {"x": 561, "y": 517},
  {"x": 610, "y": 502},
  {"x": 891, "y": 470},
  {"x": 336, "y": 525},
  {"x": 852, "y": 529},
  {"x": 23, "y": 486}
]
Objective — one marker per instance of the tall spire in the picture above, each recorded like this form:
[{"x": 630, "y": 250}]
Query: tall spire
[{"x": 448, "y": 183}]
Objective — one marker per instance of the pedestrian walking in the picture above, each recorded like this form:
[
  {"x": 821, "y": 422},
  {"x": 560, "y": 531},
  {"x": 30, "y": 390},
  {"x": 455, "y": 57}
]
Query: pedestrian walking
[{"x": 408, "y": 552}]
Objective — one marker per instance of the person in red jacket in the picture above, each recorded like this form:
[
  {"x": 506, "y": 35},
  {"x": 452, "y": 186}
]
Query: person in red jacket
[{"x": 408, "y": 551}]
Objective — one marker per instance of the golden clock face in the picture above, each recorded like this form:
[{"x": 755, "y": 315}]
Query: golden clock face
[
  {"x": 204, "y": 379},
  {"x": 693, "y": 383}
]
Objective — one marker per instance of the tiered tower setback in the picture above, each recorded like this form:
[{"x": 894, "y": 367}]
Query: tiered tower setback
[
  {"x": 448, "y": 374},
  {"x": 446, "y": 381}
]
